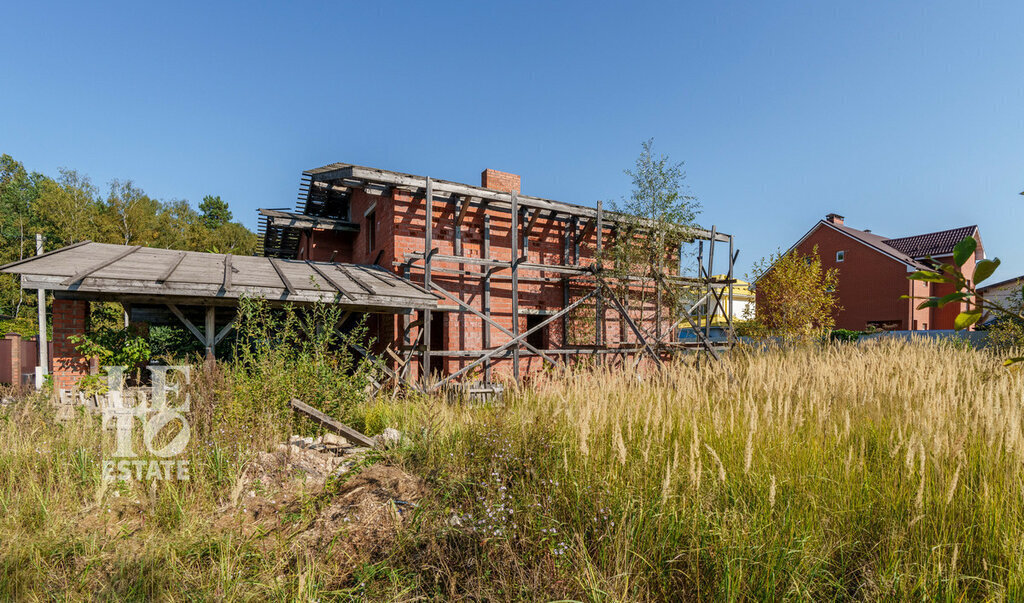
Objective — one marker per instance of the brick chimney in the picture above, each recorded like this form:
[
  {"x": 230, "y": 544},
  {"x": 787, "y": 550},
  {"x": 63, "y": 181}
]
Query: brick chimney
[
  {"x": 834, "y": 219},
  {"x": 500, "y": 181}
]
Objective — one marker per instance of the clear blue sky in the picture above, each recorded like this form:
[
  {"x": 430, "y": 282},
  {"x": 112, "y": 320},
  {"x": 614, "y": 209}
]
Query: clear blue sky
[{"x": 905, "y": 117}]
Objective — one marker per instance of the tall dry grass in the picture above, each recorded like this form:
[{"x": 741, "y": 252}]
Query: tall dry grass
[
  {"x": 877, "y": 472},
  {"x": 883, "y": 471}
]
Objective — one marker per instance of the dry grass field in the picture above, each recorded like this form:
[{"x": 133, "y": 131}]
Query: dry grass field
[{"x": 883, "y": 471}]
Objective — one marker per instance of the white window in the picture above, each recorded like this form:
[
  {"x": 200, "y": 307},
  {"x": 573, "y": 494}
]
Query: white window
[{"x": 840, "y": 256}]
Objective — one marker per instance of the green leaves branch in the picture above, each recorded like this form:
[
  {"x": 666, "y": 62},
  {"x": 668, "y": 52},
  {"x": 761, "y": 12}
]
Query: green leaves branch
[{"x": 965, "y": 289}]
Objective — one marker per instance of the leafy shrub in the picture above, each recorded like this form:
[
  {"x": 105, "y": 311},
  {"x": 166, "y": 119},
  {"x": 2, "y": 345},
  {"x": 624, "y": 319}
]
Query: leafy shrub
[
  {"x": 749, "y": 328},
  {"x": 1006, "y": 332},
  {"x": 292, "y": 352},
  {"x": 172, "y": 341},
  {"x": 844, "y": 335}
]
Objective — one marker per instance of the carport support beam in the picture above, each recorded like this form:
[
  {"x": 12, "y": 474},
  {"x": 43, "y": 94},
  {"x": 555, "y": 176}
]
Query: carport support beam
[
  {"x": 211, "y": 331},
  {"x": 428, "y": 241},
  {"x": 41, "y": 340}
]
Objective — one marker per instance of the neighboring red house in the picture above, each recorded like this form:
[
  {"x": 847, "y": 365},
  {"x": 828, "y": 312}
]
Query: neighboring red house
[{"x": 873, "y": 274}]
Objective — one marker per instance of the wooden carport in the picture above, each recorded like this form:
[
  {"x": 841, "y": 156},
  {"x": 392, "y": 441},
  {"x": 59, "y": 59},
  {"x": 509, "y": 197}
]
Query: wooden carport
[{"x": 175, "y": 279}]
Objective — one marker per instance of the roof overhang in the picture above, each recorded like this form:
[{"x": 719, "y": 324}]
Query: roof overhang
[
  {"x": 912, "y": 266},
  {"x": 287, "y": 219},
  {"x": 340, "y": 177}
]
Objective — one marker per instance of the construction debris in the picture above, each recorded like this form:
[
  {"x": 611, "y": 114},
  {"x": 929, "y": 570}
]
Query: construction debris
[{"x": 336, "y": 426}]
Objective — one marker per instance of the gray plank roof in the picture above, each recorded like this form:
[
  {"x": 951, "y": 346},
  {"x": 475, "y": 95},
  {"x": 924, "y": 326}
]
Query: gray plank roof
[{"x": 101, "y": 271}]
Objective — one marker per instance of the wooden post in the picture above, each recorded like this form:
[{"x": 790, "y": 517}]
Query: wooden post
[
  {"x": 526, "y": 238},
  {"x": 599, "y": 304},
  {"x": 211, "y": 331},
  {"x": 41, "y": 340},
  {"x": 513, "y": 239},
  {"x": 428, "y": 242},
  {"x": 485, "y": 326},
  {"x": 406, "y": 336},
  {"x": 575, "y": 241},
  {"x": 711, "y": 272},
  {"x": 566, "y": 236},
  {"x": 457, "y": 222},
  {"x": 658, "y": 299},
  {"x": 732, "y": 263}
]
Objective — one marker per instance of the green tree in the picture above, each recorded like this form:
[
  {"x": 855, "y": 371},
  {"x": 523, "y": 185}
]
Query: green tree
[
  {"x": 795, "y": 295},
  {"x": 215, "y": 212},
  {"x": 68, "y": 207},
  {"x": 129, "y": 216},
  {"x": 231, "y": 238},
  {"x": 650, "y": 229},
  {"x": 19, "y": 191},
  {"x": 1007, "y": 330},
  {"x": 181, "y": 227}
]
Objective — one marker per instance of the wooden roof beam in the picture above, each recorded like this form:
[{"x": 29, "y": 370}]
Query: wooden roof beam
[
  {"x": 589, "y": 228},
  {"x": 531, "y": 223},
  {"x": 464, "y": 203},
  {"x": 281, "y": 275},
  {"x": 330, "y": 279},
  {"x": 81, "y": 275},
  {"x": 227, "y": 272},
  {"x": 344, "y": 270},
  {"x": 171, "y": 268}
]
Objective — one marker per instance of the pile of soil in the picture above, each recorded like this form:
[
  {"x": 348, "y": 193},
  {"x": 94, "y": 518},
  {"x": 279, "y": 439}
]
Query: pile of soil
[
  {"x": 366, "y": 513},
  {"x": 357, "y": 515}
]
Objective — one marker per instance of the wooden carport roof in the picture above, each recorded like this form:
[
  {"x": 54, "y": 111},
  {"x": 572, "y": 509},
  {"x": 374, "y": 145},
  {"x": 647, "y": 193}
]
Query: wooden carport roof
[{"x": 98, "y": 271}]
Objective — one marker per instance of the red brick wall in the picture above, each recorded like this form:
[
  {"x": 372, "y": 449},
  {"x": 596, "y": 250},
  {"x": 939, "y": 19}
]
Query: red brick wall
[
  {"x": 500, "y": 181},
  {"x": 322, "y": 245},
  {"x": 10, "y": 356},
  {"x": 70, "y": 317},
  {"x": 462, "y": 330},
  {"x": 400, "y": 230},
  {"x": 921, "y": 320}
]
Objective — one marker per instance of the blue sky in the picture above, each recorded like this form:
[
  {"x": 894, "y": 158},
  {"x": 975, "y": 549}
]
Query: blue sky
[{"x": 905, "y": 117}]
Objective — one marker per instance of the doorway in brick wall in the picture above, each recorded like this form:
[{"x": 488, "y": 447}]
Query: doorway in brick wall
[{"x": 538, "y": 339}]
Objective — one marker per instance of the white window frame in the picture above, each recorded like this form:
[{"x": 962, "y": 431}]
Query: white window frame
[{"x": 841, "y": 256}]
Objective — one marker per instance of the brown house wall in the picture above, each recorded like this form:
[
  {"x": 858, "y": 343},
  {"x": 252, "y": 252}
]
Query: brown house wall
[{"x": 871, "y": 285}]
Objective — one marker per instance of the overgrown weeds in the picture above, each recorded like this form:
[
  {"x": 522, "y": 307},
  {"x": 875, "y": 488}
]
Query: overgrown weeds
[{"x": 882, "y": 471}]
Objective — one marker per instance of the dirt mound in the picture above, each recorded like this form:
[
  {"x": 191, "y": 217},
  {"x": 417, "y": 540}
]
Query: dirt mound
[
  {"x": 366, "y": 512},
  {"x": 326, "y": 497}
]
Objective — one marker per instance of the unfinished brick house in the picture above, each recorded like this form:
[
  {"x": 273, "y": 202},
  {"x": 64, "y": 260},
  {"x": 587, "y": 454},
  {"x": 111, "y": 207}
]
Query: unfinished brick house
[
  {"x": 501, "y": 284},
  {"x": 873, "y": 273},
  {"x": 492, "y": 286}
]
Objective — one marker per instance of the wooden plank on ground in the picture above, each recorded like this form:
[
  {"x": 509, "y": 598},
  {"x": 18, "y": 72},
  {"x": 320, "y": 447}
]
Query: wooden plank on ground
[{"x": 337, "y": 427}]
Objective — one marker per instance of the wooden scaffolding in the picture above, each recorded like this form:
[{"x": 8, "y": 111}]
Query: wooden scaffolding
[{"x": 713, "y": 294}]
